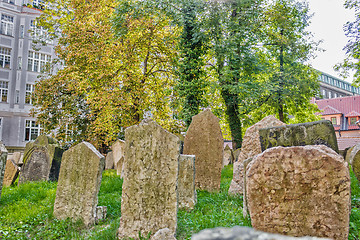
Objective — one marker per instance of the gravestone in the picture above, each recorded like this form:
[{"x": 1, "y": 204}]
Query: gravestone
[
  {"x": 354, "y": 158},
  {"x": 228, "y": 157},
  {"x": 41, "y": 161},
  {"x": 204, "y": 140},
  {"x": 11, "y": 172},
  {"x": 149, "y": 194},
  {"x": 79, "y": 184},
  {"x": 299, "y": 191},
  {"x": 109, "y": 161},
  {"x": 250, "y": 147},
  {"x": 3, "y": 157},
  {"x": 243, "y": 233},
  {"x": 312, "y": 133},
  {"x": 118, "y": 155},
  {"x": 186, "y": 182}
]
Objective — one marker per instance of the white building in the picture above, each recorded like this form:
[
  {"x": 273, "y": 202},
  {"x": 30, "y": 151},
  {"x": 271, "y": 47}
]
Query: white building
[{"x": 19, "y": 67}]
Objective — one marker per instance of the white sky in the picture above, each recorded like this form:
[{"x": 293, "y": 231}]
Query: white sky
[{"x": 327, "y": 24}]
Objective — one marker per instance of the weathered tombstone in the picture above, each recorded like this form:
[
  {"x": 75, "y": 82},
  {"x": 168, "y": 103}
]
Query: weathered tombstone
[
  {"x": 3, "y": 156},
  {"x": 186, "y": 182},
  {"x": 236, "y": 154},
  {"x": 11, "y": 172},
  {"x": 79, "y": 184},
  {"x": 109, "y": 161},
  {"x": 354, "y": 159},
  {"x": 299, "y": 191},
  {"x": 312, "y": 133},
  {"x": 243, "y": 233},
  {"x": 228, "y": 157},
  {"x": 149, "y": 196},
  {"x": 42, "y": 159},
  {"x": 118, "y": 155},
  {"x": 250, "y": 147},
  {"x": 348, "y": 154},
  {"x": 204, "y": 140},
  {"x": 163, "y": 234}
]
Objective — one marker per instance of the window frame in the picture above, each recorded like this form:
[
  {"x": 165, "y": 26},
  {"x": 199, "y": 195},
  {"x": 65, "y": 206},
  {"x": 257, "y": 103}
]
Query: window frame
[
  {"x": 5, "y": 57},
  {"x": 4, "y": 91},
  {"x": 332, "y": 120},
  {"x": 32, "y": 130},
  {"x": 7, "y": 25}
]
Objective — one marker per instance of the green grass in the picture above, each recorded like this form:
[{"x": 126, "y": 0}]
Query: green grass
[{"x": 26, "y": 211}]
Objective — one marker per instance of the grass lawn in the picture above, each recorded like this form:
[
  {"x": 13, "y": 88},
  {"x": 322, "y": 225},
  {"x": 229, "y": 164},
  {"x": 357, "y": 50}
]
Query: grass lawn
[{"x": 26, "y": 211}]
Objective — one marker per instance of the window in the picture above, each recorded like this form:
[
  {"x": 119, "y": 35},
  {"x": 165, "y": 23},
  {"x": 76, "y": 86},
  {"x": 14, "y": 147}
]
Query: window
[
  {"x": 4, "y": 86},
  {"x": 335, "y": 95},
  {"x": 7, "y": 24},
  {"x": 38, "y": 3},
  {"x": 37, "y": 61},
  {"x": 39, "y": 32},
  {"x": 22, "y": 31},
  {"x": 333, "y": 120},
  {"x": 32, "y": 130},
  {"x": 19, "y": 62},
  {"x": 5, "y": 57},
  {"x": 28, "y": 92},
  {"x": 353, "y": 121},
  {"x": 9, "y": 1},
  {"x": 324, "y": 92},
  {"x": 329, "y": 94},
  {"x": 17, "y": 97}
]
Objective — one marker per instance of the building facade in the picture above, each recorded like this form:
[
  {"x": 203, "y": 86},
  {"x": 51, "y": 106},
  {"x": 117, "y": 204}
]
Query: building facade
[
  {"x": 332, "y": 87},
  {"x": 20, "y": 66}
]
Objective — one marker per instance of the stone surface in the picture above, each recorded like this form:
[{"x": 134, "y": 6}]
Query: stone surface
[
  {"x": 299, "y": 191},
  {"x": 354, "y": 159},
  {"x": 118, "y": 155},
  {"x": 79, "y": 184},
  {"x": 228, "y": 156},
  {"x": 243, "y": 233},
  {"x": 250, "y": 147},
  {"x": 245, "y": 204},
  {"x": 312, "y": 133},
  {"x": 204, "y": 140},
  {"x": 163, "y": 234},
  {"x": 236, "y": 154},
  {"x": 41, "y": 161},
  {"x": 348, "y": 153},
  {"x": 3, "y": 157},
  {"x": 16, "y": 157},
  {"x": 149, "y": 195},
  {"x": 11, "y": 172},
  {"x": 186, "y": 182},
  {"x": 100, "y": 214},
  {"x": 109, "y": 161}
]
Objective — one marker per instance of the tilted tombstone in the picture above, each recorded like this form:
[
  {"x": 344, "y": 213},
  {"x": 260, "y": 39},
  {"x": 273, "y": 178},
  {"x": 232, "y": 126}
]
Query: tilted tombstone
[
  {"x": 186, "y": 182},
  {"x": 41, "y": 161},
  {"x": 118, "y": 155},
  {"x": 312, "y": 133},
  {"x": 109, "y": 161},
  {"x": 204, "y": 140},
  {"x": 11, "y": 172},
  {"x": 299, "y": 191},
  {"x": 79, "y": 184},
  {"x": 149, "y": 194},
  {"x": 250, "y": 147},
  {"x": 3, "y": 157},
  {"x": 354, "y": 158},
  {"x": 228, "y": 156}
]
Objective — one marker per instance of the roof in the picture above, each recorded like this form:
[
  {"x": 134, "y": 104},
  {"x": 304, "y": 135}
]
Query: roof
[
  {"x": 329, "y": 110},
  {"x": 344, "y": 105},
  {"x": 352, "y": 114}
]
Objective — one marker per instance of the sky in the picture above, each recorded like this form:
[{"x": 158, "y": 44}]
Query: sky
[{"x": 327, "y": 25}]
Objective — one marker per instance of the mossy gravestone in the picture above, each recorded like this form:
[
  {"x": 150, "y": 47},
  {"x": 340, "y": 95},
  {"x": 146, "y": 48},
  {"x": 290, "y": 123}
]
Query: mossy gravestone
[
  {"x": 79, "y": 184},
  {"x": 250, "y": 148},
  {"x": 299, "y": 191},
  {"x": 312, "y": 133},
  {"x": 354, "y": 159},
  {"x": 204, "y": 140},
  {"x": 149, "y": 193},
  {"x": 186, "y": 183},
  {"x": 3, "y": 157},
  {"x": 42, "y": 159}
]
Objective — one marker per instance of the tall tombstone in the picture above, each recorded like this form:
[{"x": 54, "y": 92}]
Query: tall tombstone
[
  {"x": 109, "y": 161},
  {"x": 79, "y": 184},
  {"x": 299, "y": 191},
  {"x": 204, "y": 140},
  {"x": 41, "y": 161},
  {"x": 312, "y": 133},
  {"x": 118, "y": 155},
  {"x": 186, "y": 182},
  {"x": 228, "y": 156},
  {"x": 354, "y": 159},
  {"x": 3, "y": 157},
  {"x": 250, "y": 147},
  {"x": 149, "y": 194},
  {"x": 11, "y": 172}
]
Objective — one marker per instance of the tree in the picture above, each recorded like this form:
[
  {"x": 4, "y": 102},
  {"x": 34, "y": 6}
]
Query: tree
[
  {"x": 352, "y": 31},
  {"x": 288, "y": 46},
  {"x": 108, "y": 82}
]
